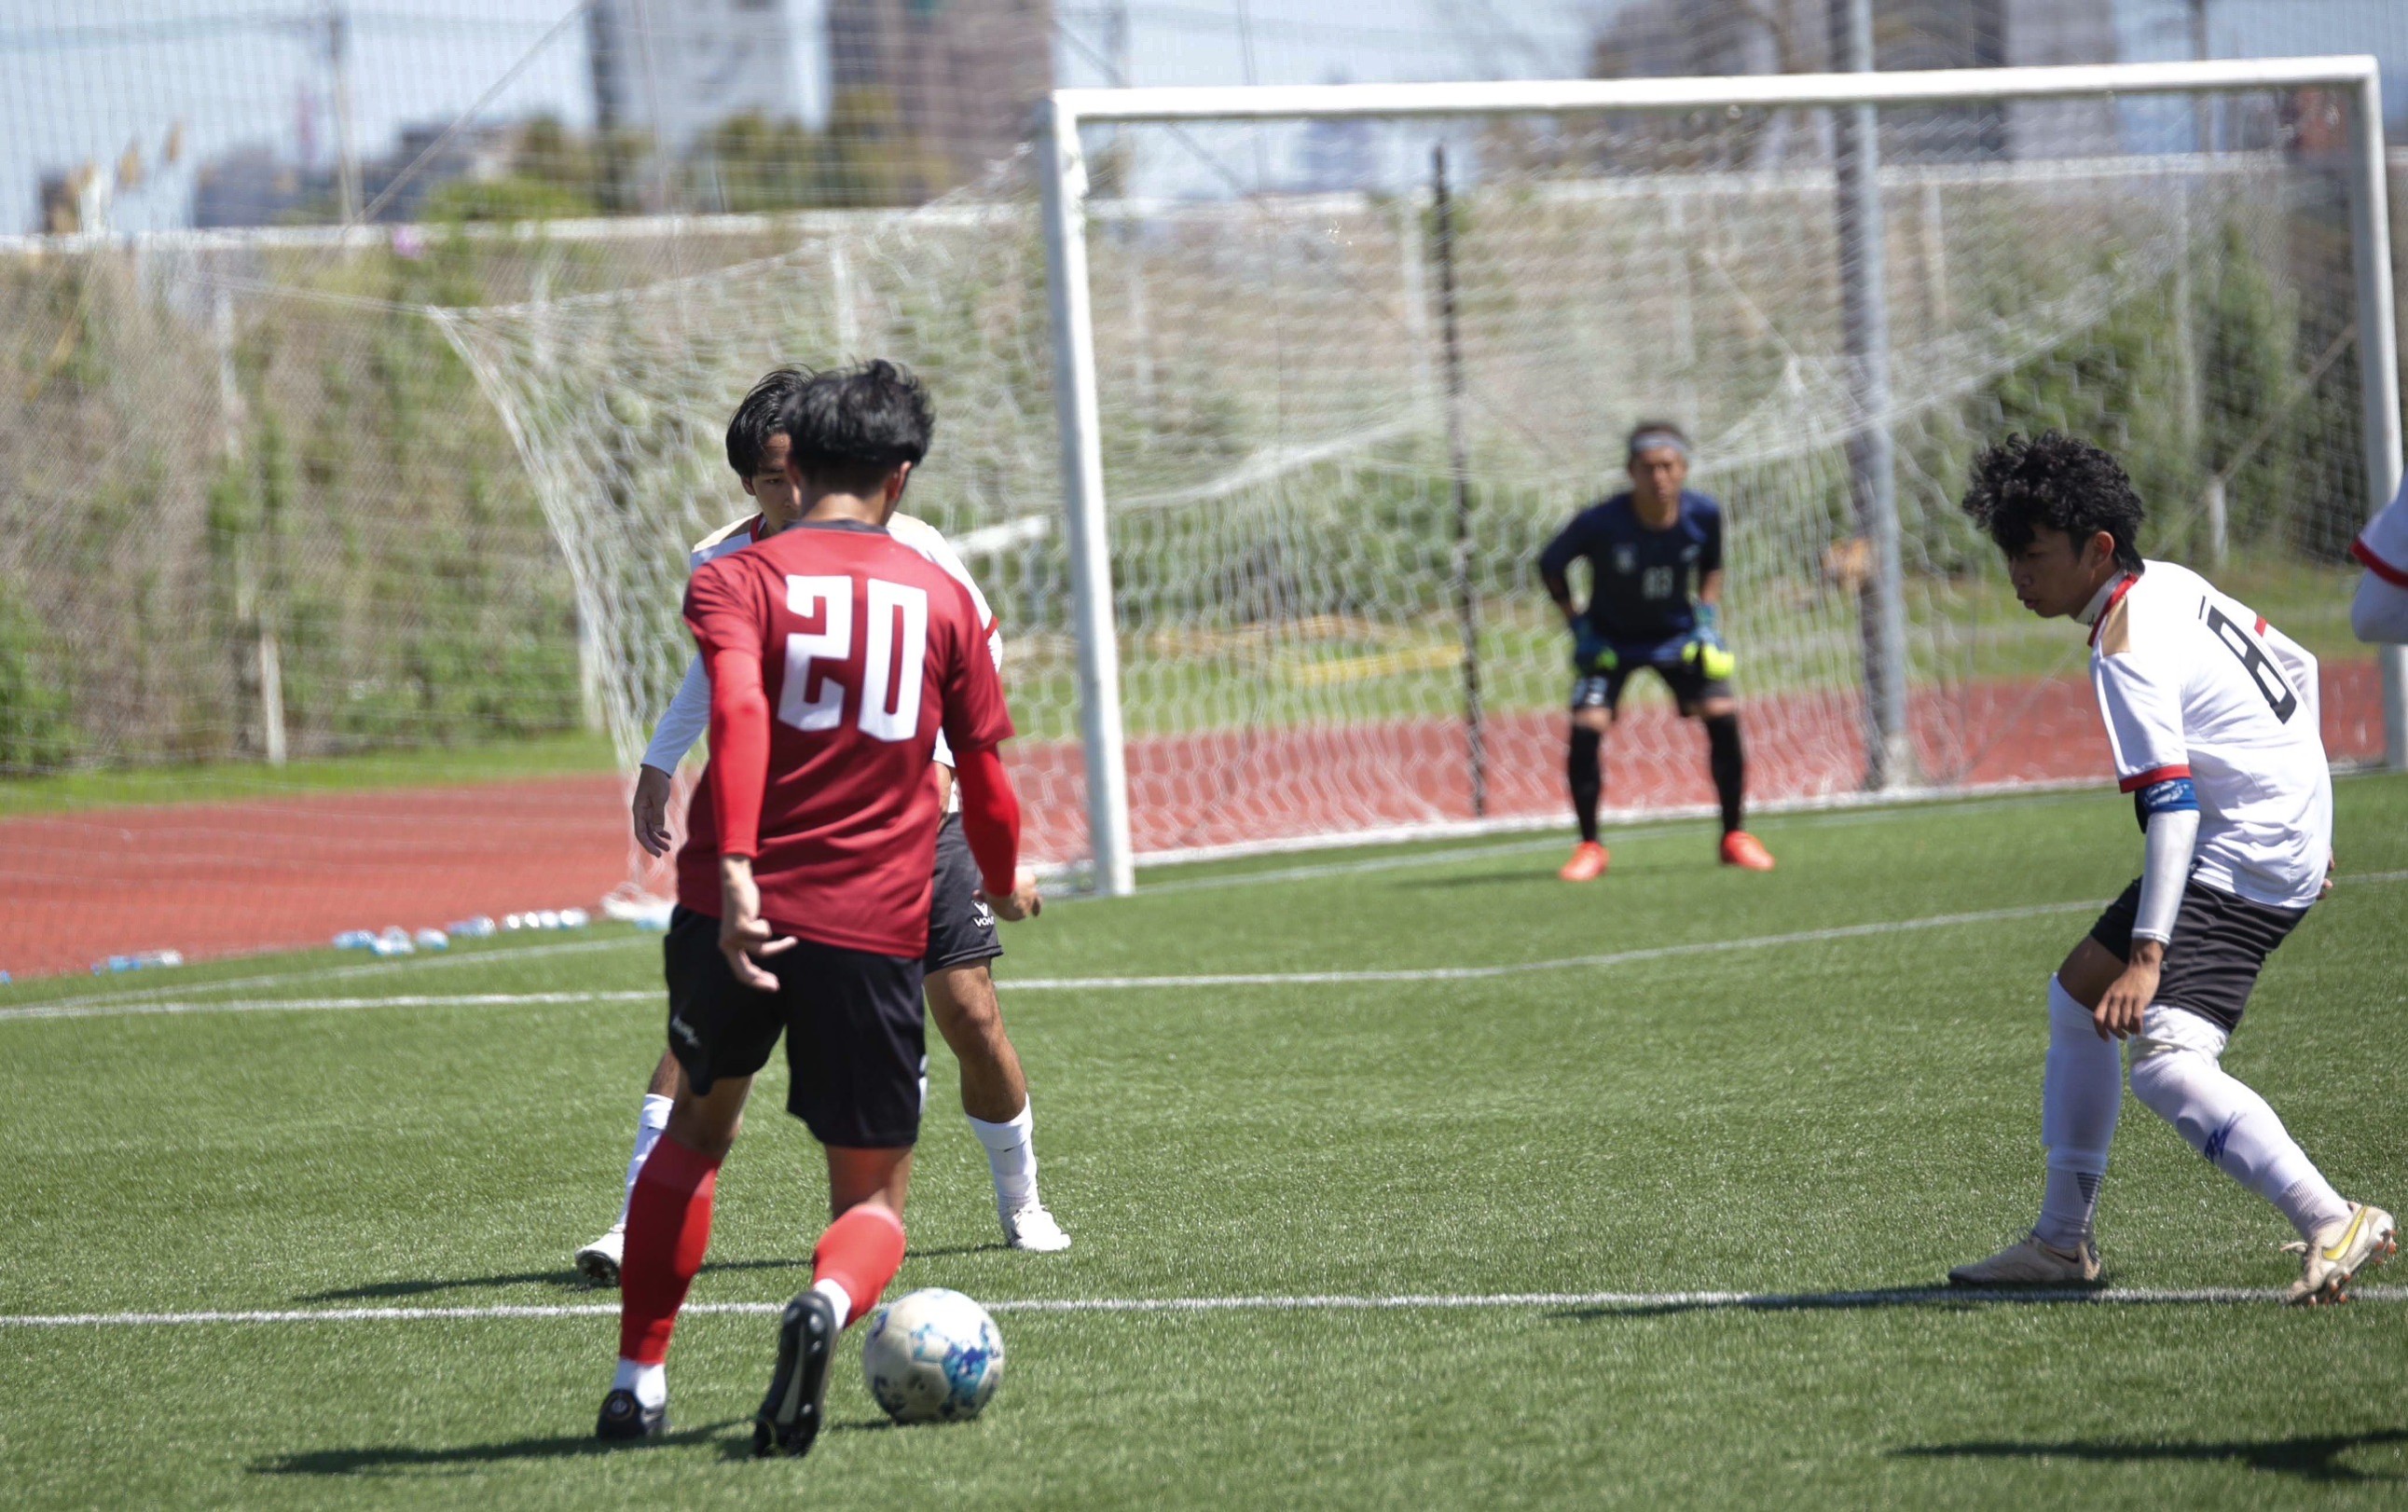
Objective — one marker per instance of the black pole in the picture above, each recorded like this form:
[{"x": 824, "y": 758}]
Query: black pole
[{"x": 1466, "y": 598}]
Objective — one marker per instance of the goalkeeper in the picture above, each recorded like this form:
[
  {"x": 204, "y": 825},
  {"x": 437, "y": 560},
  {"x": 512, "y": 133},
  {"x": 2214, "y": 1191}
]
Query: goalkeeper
[{"x": 1646, "y": 549}]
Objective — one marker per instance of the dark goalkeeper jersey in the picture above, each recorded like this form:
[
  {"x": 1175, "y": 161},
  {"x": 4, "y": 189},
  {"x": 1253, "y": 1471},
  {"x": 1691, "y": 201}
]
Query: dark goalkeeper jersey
[{"x": 1641, "y": 580}]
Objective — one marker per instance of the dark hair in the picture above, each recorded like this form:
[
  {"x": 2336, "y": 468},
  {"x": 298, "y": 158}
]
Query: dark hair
[
  {"x": 851, "y": 427},
  {"x": 2053, "y": 481},
  {"x": 756, "y": 418},
  {"x": 1665, "y": 426}
]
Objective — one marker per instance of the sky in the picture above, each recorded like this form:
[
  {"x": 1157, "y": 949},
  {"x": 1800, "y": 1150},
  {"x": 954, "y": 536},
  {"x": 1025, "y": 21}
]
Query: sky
[{"x": 81, "y": 79}]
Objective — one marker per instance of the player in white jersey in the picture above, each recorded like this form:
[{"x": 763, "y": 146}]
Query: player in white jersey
[
  {"x": 2380, "y": 610},
  {"x": 962, "y": 940},
  {"x": 2211, "y": 714}
]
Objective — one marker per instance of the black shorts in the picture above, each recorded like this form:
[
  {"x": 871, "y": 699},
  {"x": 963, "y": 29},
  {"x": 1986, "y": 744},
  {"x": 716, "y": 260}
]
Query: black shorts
[
  {"x": 855, "y": 1037},
  {"x": 1690, "y": 686},
  {"x": 2220, "y": 943},
  {"x": 961, "y": 927}
]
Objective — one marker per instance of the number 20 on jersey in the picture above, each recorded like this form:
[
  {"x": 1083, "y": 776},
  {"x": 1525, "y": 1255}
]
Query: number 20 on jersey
[{"x": 895, "y": 652}]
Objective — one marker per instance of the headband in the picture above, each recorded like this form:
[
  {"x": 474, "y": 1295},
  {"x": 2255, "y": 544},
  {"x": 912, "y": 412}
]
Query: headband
[{"x": 1656, "y": 441}]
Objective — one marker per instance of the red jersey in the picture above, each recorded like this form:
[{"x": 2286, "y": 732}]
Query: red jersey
[{"x": 867, "y": 649}]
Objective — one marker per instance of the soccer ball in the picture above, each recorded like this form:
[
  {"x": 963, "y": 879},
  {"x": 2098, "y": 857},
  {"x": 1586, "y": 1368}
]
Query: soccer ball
[{"x": 932, "y": 1356}]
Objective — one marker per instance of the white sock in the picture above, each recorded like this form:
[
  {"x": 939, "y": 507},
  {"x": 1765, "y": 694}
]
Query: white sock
[
  {"x": 2174, "y": 1072},
  {"x": 1010, "y": 1158},
  {"x": 839, "y": 1298},
  {"x": 649, "y": 1124},
  {"x": 650, "y": 1383},
  {"x": 2081, "y": 1094}
]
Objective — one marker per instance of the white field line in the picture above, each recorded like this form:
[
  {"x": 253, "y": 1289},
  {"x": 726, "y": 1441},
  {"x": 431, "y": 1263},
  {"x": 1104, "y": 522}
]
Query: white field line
[
  {"x": 1107, "y": 984},
  {"x": 1103, "y": 984},
  {"x": 488, "y": 956},
  {"x": 1616, "y": 1301}
]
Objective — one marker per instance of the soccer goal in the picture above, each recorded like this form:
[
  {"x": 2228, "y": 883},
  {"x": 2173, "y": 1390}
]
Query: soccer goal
[{"x": 1331, "y": 363}]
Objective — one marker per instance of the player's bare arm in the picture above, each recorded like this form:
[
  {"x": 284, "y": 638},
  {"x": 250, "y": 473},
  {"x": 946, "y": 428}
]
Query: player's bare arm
[{"x": 650, "y": 809}]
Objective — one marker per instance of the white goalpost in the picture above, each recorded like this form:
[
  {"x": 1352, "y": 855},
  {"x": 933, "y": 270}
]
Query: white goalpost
[{"x": 1640, "y": 247}]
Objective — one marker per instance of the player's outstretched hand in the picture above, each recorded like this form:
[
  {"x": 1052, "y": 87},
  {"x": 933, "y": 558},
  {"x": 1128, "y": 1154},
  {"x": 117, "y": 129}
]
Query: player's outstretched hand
[
  {"x": 2127, "y": 998},
  {"x": 743, "y": 933},
  {"x": 651, "y": 810},
  {"x": 1024, "y": 901}
]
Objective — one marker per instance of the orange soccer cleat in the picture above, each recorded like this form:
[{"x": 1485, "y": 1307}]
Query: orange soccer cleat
[
  {"x": 1745, "y": 850},
  {"x": 1587, "y": 865}
]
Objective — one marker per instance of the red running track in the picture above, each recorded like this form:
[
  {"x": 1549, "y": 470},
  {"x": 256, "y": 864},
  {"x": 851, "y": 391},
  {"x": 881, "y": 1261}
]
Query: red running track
[{"x": 227, "y": 878}]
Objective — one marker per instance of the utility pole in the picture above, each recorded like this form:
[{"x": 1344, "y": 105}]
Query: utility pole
[
  {"x": 1864, "y": 314},
  {"x": 1467, "y": 590},
  {"x": 338, "y": 64}
]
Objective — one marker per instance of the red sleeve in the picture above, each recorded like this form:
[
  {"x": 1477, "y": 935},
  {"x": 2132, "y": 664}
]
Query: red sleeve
[
  {"x": 990, "y": 819},
  {"x": 730, "y": 637},
  {"x": 976, "y": 715}
]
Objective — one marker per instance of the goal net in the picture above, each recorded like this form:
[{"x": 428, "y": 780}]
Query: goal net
[
  {"x": 1305, "y": 606},
  {"x": 359, "y": 539}
]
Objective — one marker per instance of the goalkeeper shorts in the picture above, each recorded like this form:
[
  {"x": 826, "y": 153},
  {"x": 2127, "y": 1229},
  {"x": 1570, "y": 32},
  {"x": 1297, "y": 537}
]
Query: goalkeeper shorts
[{"x": 1690, "y": 687}]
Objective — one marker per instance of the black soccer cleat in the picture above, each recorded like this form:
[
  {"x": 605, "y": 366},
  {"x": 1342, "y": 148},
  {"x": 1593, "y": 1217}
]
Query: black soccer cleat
[
  {"x": 790, "y": 1415},
  {"x": 623, "y": 1417}
]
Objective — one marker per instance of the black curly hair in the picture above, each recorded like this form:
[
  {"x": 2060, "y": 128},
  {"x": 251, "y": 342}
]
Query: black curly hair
[
  {"x": 756, "y": 418},
  {"x": 852, "y": 426},
  {"x": 2054, "y": 481}
]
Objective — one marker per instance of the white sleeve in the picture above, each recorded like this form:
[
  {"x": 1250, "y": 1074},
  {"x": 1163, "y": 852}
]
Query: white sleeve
[
  {"x": 2141, "y": 708},
  {"x": 682, "y": 723},
  {"x": 2299, "y": 666},
  {"x": 2379, "y": 614}
]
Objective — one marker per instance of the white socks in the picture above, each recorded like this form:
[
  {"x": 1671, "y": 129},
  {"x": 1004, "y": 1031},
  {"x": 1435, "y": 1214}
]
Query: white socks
[
  {"x": 650, "y": 1383},
  {"x": 2174, "y": 1072},
  {"x": 838, "y": 1297},
  {"x": 2081, "y": 1094},
  {"x": 1011, "y": 1158},
  {"x": 649, "y": 1124}
]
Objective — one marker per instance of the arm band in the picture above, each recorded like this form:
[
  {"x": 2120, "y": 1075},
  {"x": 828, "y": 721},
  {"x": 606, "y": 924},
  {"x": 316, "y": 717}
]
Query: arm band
[
  {"x": 2172, "y": 834},
  {"x": 990, "y": 819},
  {"x": 740, "y": 749},
  {"x": 682, "y": 723}
]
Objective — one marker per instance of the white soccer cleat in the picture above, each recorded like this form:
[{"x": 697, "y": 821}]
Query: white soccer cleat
[
  {"x": 2334, "y": 1257},
  {"x": 599, "y": 1261},
  {"x": 2030, "y": 1262},
  {"x": 1033, "y": 1229}
]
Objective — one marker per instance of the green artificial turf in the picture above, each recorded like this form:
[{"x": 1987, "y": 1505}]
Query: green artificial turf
[{"x": 1776, "y": 1089}]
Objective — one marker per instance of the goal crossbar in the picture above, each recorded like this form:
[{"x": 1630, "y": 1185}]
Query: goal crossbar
[
  {"x": 1271, "y": 101},
  {"x": 1063, "y": 178}
]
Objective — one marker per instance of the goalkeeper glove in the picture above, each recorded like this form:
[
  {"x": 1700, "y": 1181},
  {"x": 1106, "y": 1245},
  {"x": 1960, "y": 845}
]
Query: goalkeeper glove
[
  {"x": 1705, "y": 650},
  {"x": 1591, "y": 653}
]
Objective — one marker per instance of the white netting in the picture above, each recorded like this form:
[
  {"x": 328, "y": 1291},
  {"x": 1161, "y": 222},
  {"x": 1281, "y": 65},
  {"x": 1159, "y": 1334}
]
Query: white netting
[{"x": 1282, "y": 508}]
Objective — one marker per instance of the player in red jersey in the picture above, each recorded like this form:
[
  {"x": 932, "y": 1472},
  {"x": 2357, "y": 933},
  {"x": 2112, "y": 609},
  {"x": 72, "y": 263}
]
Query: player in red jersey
[{"x": 836, "y": 655}]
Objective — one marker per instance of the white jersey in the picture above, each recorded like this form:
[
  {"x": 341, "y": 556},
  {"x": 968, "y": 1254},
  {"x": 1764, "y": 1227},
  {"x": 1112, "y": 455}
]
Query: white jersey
[
  {"x": 2194, "y": 685},
  {"x": 688, "y": 715},
  {"x": 2381, "y": 547}
]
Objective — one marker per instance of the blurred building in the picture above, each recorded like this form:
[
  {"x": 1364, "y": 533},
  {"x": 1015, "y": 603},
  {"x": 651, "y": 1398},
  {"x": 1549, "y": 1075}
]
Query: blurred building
[
  {"x": 955, "y": 79},
  {"x": 255, "y": 186},
  {"x": 670, "y": 70},
  {"x": 1688, "y": 38}
]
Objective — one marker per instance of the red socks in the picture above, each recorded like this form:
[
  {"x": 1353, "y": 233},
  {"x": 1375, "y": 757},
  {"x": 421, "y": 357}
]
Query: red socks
[
  {"x": 668, "y": 1227},
  {"x": 861, "y": 1251}
]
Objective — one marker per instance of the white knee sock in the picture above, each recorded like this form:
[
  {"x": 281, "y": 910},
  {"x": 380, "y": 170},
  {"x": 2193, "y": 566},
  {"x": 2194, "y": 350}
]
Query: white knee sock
[
  {"x": 650, "y": 1383},
  {"x": 1010, "y": 1158},
  {"x": 649, "y": 1124},
  {"x": 2081, "y": 1094},
  {"x": 2174, "y": 1072}
]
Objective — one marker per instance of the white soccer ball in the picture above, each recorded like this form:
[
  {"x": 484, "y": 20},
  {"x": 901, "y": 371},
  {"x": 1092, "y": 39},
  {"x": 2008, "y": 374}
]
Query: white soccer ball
[{"x": 932, "y": 1356}]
